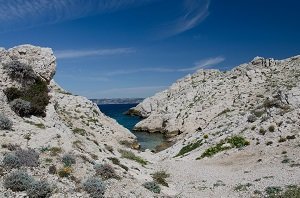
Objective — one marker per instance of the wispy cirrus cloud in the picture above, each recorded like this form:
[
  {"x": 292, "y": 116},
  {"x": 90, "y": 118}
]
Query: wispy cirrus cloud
[
  {"x": 64, "y": 54},
  {"x": 205, "y": 63},
  {"x": 195, "y": 11},
  {"x": 28, "y": 13}
]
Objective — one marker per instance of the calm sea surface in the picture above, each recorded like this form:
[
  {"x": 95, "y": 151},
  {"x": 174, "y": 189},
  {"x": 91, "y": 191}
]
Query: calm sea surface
[{"x": 116, "y": 111}]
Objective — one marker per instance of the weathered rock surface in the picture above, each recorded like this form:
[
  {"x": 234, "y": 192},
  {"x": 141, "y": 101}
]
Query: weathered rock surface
[
  {"x": 197, "y": 100},
  {"x": 254, "y": 106},
  {"x": 73, "y": 125}
]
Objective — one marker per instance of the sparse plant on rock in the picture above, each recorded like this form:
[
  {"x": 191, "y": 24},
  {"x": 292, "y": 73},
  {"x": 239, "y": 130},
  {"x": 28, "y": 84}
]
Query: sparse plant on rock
[
  {"x": 68, "y": 159},
  {"x": 234, "y": 142},
  {"x": 65, "y": 171},
  {"x": 11, "y": 161},
  {"x": 5, "y": 123},
  {"x": 21, "y": 107},
  {"x": 28, "y": 157},
  {"x": 160, "y": 177},
  {"x": 39, "y": 189},
  {"x": 188, "y": 148},
  {"x": 95, "y": 187},
  {"x": 152, "y": 186},
  {"x": 251, "y": 118},
  {"x": 18, "y": 181},
  {"x": 105, "y": 171},
  {"x": 19, "y": 71},
  {"x": 130, "y": 155}
]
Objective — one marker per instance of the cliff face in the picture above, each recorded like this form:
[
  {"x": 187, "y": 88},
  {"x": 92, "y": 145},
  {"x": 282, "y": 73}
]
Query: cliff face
[
  {"x": 72, "y": 125},
  {"x": 198, "y": 100}
]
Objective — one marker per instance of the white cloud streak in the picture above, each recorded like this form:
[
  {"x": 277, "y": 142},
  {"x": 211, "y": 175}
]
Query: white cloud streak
[
  {"x": 28, "y": 13},
  {"x": 65, "y": 54},
  {"x": 198, "y": 65},
  {"x": 195, "y": 11}
]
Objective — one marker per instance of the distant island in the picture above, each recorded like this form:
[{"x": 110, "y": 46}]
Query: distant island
[{"x": 117, "y": 101}]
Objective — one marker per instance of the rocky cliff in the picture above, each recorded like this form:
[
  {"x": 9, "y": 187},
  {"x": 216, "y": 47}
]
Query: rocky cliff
[
  {"x": 201, "y": 99},
  {"x": 45, "y": 129}
]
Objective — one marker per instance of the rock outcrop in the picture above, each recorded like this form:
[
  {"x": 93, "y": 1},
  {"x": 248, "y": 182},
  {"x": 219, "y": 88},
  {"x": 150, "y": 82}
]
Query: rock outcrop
[
  {"x": 73, "y": 125},
  {"x": 236, "y": 133},
  {"x": 197, "y": 100}
]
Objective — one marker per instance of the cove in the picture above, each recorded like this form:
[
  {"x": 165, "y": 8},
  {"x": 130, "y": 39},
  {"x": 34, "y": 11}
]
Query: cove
[{"x": 116, "y": 111}]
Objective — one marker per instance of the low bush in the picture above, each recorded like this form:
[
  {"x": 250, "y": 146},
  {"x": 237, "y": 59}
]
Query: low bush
[
  {"x": 68, "y": 160},
  {"x": 105, "y": 171},
  {"x": 5, "y": 123},
  {"x": 271, "y": 128},
  {"x": 95, "y": 187},
  {"x": 28, "y": 157},
  {"x": 21, "y": 107},
  {"x": 18, "y": 181},
  {"x": 39, "y": 189},
  {"x": 160, "y": 177},
  {"x": 152, "y": 186},
  {"x": 20, "y": 72},
  {"x": 65, "y": 171},
  {"x": 12, "y": 93},
  {"x": 11, "y": 161},
  {"x": 251, "y": 118},
  {"x": 188, "y": 148},
  {"x": 290, "y": 192},
  {"x": 234, "y": 141},
  {"x": 36, "y": 96},
  {"x": 116, "y": 161},
  {"x": 130, "y": 155}
]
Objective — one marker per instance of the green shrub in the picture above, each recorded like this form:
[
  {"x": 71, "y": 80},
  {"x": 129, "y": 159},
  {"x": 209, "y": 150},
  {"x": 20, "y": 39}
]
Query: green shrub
[
  {"x": 105, "y": 171},
  {"x": 12, "y": 93},
  {"x": 116, "y": 161},
  {"x": 79, "y": 131},
  {"x": 130, "y": 155},
  {"x": 11, "y": 161},
  {"x": 290, "y": 192},
  {"x": 273, "y": 190},
  {"x": 160, "y": 177},
  {"x": 290, "y": 137},
  {"x": 152, "y": 186},
  {"x": 36, "y": 94},
  {"x": 21, "y": 107},
  {"x": 238, "y": 141},
  {"x": 262, "y": 131},
  {"x": 5, "y": 123},
  {"x": 271, "y": 128},
  {"x": 39, "y": 189},
  {"x": 188, "y": 148},
  {"x": 95, "y": 187},
  {"x": 18, "y": 181},
  {"x": 235, "y": 142},
  {"x": 68, "y": 160}
]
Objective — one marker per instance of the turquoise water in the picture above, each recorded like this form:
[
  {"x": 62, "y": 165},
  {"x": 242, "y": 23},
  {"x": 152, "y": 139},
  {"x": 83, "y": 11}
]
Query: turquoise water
[{"x": 116, "y": 111}]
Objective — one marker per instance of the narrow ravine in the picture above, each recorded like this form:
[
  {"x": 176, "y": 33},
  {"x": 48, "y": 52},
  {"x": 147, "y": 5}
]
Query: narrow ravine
[{"x": 116, "y": 111}]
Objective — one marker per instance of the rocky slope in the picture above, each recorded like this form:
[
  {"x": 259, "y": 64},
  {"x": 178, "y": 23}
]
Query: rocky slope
[
  {"x": 198, "y": 100},
  {"x": 72, "y": 125},
  {"x": 236, "y": 133}
]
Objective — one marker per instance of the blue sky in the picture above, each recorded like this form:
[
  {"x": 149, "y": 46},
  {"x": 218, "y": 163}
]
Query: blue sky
[{"x": 134, "y": 48}]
